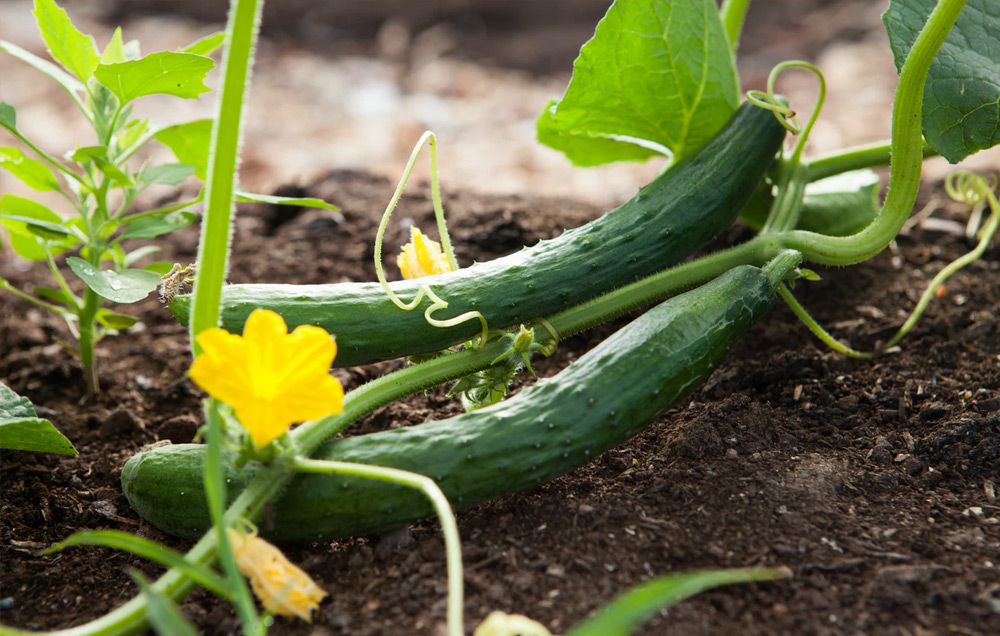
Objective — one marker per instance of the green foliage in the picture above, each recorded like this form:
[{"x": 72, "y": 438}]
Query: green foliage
[
  {"x": 961, "y": 108},
  {"x": 629, "y": 611},
  {"x": 98, "y": 180},
  {"x": 658, "y": 77},
  {"x": 22, "y": 429}
]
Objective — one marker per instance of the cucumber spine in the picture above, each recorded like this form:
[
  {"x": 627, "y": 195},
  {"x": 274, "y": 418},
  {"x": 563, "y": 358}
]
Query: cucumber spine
[
  {"x": 600, "y": 400},
  {"x": 678, "y": 212}
]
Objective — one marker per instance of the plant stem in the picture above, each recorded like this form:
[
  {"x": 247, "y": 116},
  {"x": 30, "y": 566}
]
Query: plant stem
[
  {"x": 449, "y": 527},
  {"x": 907, "y": 155},
  {"x": 223, "y": 155},
  {"x": 87, "y": 331},
  {"x": 733, "y": 12},
  {"x": 855, "y": 158}
]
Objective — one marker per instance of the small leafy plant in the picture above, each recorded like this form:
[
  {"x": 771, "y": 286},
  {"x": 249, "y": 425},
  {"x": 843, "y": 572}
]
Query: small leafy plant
[{"x": 100, "y": 180}]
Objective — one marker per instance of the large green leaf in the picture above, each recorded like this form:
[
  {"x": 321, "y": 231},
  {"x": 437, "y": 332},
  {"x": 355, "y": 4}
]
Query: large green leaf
[
  {"x": 166, "y": 73},
  {"x": 658, "y": 77},
  {"x": 961, "y": 109},
  {"x": 71, "y": 48},
  {"x": 22, "y": 429}
]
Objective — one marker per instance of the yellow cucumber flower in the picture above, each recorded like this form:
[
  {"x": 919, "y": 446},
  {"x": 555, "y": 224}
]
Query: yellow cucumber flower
[
  {"x": 281, "y": 586},
  {"x": 421, "y": 257},
  {"x": 270, "y": 377}
]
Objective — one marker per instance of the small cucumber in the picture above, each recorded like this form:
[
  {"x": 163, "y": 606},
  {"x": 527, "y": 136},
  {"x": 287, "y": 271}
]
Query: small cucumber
[
  {"x": 600, "y": 400},
  {"x": 667, "y": 220}
]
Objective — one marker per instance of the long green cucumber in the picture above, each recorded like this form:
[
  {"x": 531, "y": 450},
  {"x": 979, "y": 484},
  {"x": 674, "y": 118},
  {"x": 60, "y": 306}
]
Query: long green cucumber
[
  {"x": 601, "y": 399},
  {"x": 667, "y": 220}
]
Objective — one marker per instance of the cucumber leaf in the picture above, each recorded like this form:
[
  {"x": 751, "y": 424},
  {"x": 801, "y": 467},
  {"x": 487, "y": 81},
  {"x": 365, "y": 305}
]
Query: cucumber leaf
[
  {"x": 22, "y": 429},
  {"x": 128, "y": 286},
  {"x": 71, "y": 48},
  {"x": 625, "y": 614},
  {"x": 961, "y": 109},
  {"x": 658, "y": 77},
  {"x": 840, "y": 205},
  {"x": 163, "y": 73}
]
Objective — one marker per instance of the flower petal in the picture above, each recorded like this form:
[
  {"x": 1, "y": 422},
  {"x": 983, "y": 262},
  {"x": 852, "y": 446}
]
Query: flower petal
[{"x": 315, "y": 400}]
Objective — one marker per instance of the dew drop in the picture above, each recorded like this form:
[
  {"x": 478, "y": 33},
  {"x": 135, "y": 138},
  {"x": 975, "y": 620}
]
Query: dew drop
[
  {"x": 88, "y": 271},
  {"x": 115, "y": 284},
  {"x": 182, "y": 493},
  {"x": 590, "y": 401},
  {"x": 551, "y": 425},
  {"x": 538, "y": 444},
  {"x": 612, "y": 412},
  {"x": 565, "y": 455}
]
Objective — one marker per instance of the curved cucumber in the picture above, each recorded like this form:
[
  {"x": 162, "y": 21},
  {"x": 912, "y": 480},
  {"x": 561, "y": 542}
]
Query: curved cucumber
[
  {"x": 666, "y": 221},
  {"x": 600, "y": 400}
]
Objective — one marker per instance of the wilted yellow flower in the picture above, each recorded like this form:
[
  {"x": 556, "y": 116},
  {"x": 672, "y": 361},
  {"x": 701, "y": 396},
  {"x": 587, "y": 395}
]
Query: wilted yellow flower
[
  {"x": 421, "y": 257},
  {"x": 271, "y": 378},
  {"x": 281, "y": 586},
  {"x": 501, "y": 624}
]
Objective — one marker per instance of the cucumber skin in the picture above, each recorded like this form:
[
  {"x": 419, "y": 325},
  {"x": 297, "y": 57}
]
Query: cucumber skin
[
  {"x": 600, "y": 400},
  {"x": 667, "y": 220}
]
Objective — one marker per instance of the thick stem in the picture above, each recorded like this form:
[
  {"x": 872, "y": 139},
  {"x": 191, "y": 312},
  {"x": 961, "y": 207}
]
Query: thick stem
[
  {"x": 907, "y": 155},
  {"x": 855, "y": 158},
  {"x": 87, "y": 327}
]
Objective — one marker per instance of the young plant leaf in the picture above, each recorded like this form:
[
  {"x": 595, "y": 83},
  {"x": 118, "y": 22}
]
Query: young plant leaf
[
  {"x": 961, "y": 109},
  {"x": 129, "y": 286},
  {"x": 22, "y": 429},
  {"x": 113, "y": 172},
  {"x": 53, "y": 294},
  {"x": 67, "y": 45},
  {"x": 132, "y": 133},
  {"x": 32, "y": 172},
  {"x": 625, "y": 614},
  {"x": 27, "y": 221},
  {"x": 165, "y": 73},
  {"x": 114, "y": 52},
  {"x": 166, "y": 174},
  {"x": 658, "y": 76},
  {"x": 138, "y": 254},
  {"x": 151, "y": 227},
  {"x": 8, "y": 116},
  {"x": 162, "y": 613},
  {"x": 161, "y": 268},
  {"x": 189, "y": 143},
  {"x": 206, "y": 45},
  {"x": 111, "y": 320},
  {"x": 305, "y": 202},
  {"x": 89, "y": 153},
  {"x": 147, "y": 549}
]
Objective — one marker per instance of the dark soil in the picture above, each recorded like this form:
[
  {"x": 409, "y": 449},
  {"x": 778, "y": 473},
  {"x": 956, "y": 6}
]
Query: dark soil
[{"x": 873, "y": 481}]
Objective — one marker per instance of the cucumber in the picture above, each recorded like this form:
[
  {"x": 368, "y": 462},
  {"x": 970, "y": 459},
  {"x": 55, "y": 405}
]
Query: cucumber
[
  {"x": 600, "y": 400},
  {"x": 668, "y": 219}
]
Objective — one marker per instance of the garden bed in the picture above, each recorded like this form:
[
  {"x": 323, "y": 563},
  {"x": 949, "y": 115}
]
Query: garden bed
[{"x": 873, "y": 481}]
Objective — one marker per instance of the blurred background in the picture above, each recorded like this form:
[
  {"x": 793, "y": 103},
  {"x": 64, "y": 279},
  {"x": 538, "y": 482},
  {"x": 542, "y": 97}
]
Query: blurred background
[{"x": 354, "y": 83}]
